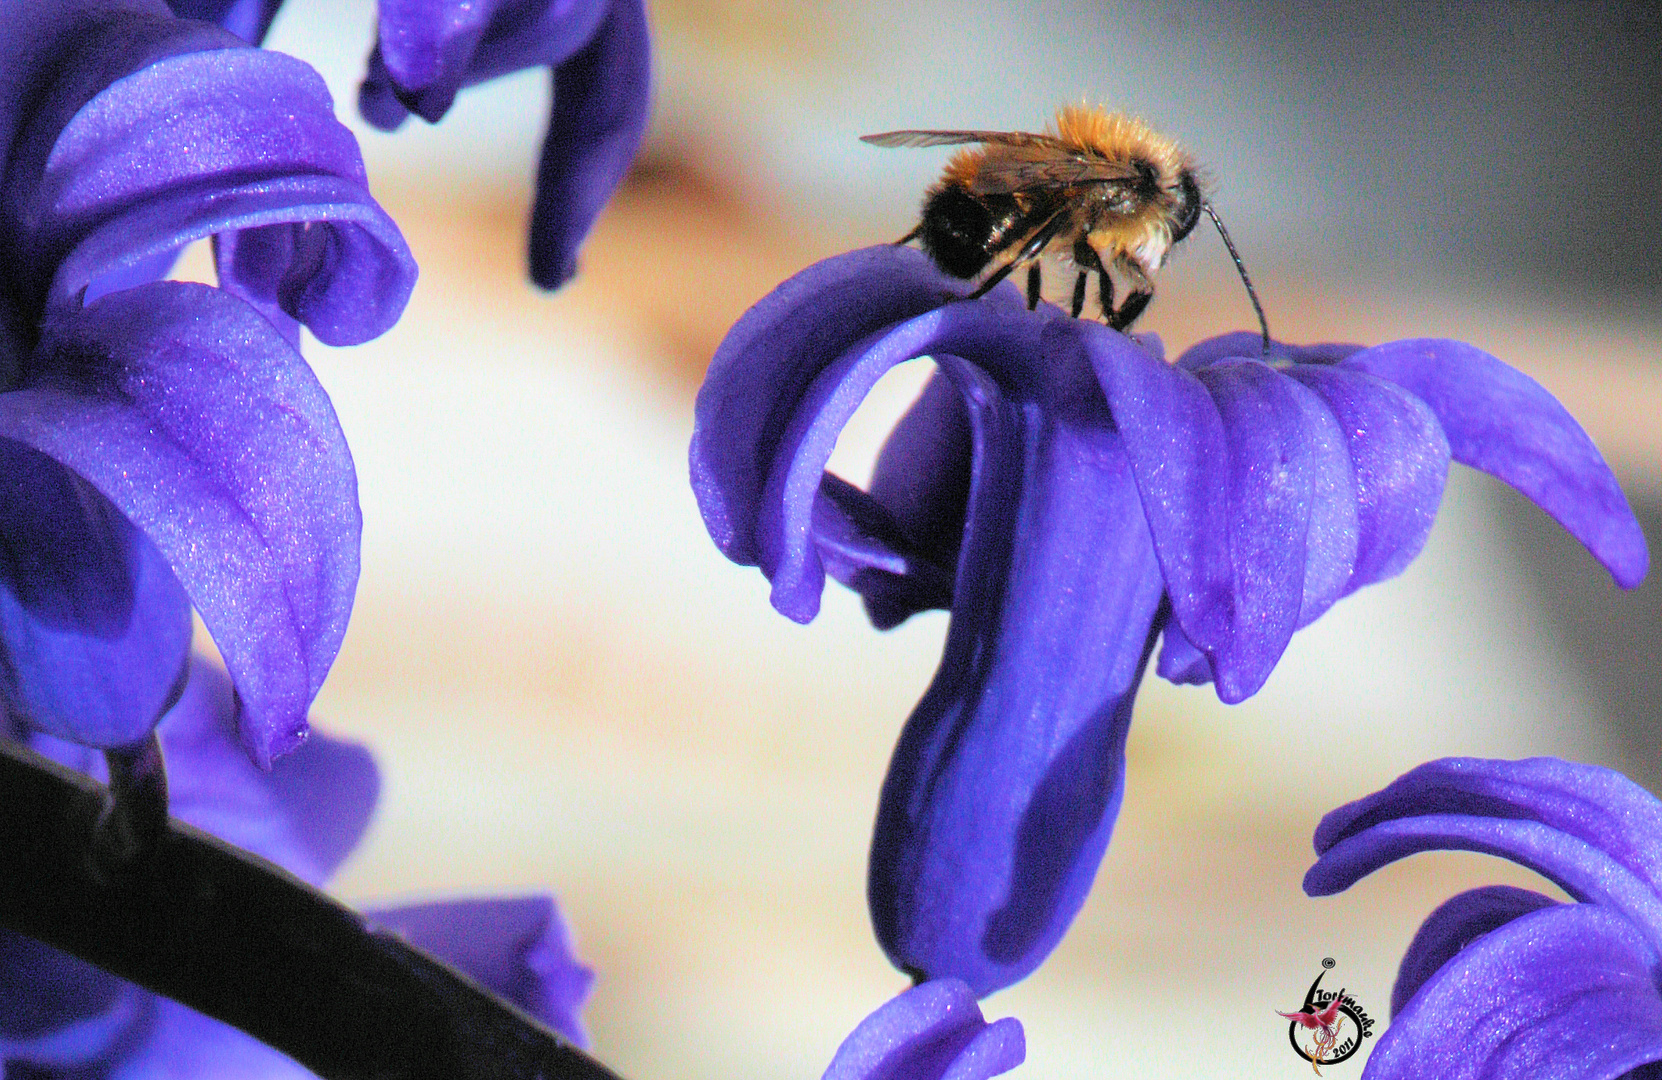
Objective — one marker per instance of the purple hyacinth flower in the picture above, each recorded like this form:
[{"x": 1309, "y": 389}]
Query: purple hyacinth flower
[
  {"x": 600, "y": 55},
  {"x": 1501, "y": 981},
  {"x": 66, "y": 1017},
  {"x": 1069, "y": 495},
  {"x": 934, "y": 1031},
  {"x": 165, "y": 444}
]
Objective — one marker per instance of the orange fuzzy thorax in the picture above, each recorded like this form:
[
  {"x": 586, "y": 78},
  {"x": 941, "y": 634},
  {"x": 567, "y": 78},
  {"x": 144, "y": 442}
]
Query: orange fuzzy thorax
[{"x": 1117, "y": 136}]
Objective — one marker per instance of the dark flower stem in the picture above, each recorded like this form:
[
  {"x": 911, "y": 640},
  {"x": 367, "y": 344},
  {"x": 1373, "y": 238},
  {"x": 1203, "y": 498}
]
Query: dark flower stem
[
  {"x": 243, "y": 941},
  {"x": 135, "y": 815}
]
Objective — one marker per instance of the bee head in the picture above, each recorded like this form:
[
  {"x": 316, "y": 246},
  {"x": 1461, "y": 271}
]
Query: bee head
[{"x": 1188, "y": 207}]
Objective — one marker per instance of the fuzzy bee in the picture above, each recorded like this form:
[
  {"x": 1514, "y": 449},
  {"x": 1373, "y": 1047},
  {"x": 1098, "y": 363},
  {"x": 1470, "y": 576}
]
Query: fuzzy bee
[{"x": 1104, "y": 193}]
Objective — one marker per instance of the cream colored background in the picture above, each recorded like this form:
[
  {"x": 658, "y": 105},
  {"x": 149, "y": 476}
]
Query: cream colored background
[{"x": 569, "y": 690}]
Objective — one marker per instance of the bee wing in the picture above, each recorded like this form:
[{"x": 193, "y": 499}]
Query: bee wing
[
  {"x": 1003, "y": 173},
  {"x": 957, "y": 138}
]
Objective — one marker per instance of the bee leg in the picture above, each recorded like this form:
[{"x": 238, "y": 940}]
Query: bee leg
[
  {"x": 1034, "y": 284},
  {"x": 1029, "y": 251},
  {"x": 1086, "y": 258},
  {"x": 1142, "y": 291},
  {"x": 1105, "y": 292},
  {"x": 909, "y": 237},
  {"x": 1127, "y": 312}
]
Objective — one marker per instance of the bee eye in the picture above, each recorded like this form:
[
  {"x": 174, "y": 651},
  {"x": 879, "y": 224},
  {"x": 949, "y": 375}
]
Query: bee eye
[{"x": 1188, "y": 212}]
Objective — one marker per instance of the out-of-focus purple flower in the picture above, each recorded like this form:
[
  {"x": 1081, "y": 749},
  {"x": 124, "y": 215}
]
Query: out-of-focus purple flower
[
  {"x": 248, "y": 19},
  {"x": 934, "y": 1031},
  {"x": 1069, "y": 495},
  {"x": 600, "y": 54},
  {"x": 66, "y": 1017},
  {"x": 164, "y": 443},
  {"x": 1506, "y": 982}
]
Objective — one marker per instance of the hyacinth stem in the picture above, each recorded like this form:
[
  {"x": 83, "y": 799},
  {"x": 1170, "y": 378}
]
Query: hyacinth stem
[
  {"x": 241, "y": 940},
  {"x": 135, "y": 815}
]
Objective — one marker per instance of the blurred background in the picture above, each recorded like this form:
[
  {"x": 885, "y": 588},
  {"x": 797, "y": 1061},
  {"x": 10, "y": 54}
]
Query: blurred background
[{"x": 569, "y": 690}]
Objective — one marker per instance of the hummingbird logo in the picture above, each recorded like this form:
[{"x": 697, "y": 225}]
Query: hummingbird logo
[{"x": 1329, "y": 1027}]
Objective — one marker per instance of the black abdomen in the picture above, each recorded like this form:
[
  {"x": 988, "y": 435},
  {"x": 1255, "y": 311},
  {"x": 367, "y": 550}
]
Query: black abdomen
[{"x": 961, "y": 231}]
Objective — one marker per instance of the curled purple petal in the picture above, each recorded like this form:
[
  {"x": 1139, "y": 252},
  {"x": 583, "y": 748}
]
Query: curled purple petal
[
  {"x": 1455, "y": 924},
  {"x": 1501, "y": 421},
  {"x": 199, "y": 422},
  {"x": 1565, "y": 991},
  {"x": 602, "y": 95},
  {"x": 1589, "y": 830},
  {"x": 769, "y": 359},
  {"x": 210, "y": 142},
  {"x": 933, "y": 1031},
  {"x": 518, "y": 948},
  {"x": 1005, "y": 784},
  {"x": 864, "y": 547},
  {"x": 95, "y": 629}
]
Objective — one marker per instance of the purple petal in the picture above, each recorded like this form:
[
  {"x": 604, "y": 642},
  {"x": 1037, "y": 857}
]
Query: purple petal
[
  {"x": 1180, "y": 662},
  {"x": 1400, "y": 460},
  {"x": 182, "y": 1043},
  {"x": 428, "y": 50},
  {"x": 58, "y": 1012},
  {"x": 1567, "y": 991},
  {"x": 305, "y": 813},
  {"x": 211, "y": 142},
  {"x": 789, "y": 375},
  {"x": 1590, "y": 830},
  {"x": 1250, "y": 496},
  {"x": 1455, "y": 924},
  {"x": 862, "y": 546},
  {"x": 601, "y": 99},
  {"x": 248, "y": 19},
  {"x": 933, "y": 1031},
  {"x": 922, "y": 480},
  {"x": 518, "y": 948},
  {"x": 1249, "y": 345},
  {"x": 200, "y": 423},
  {"x": 1501, "y": 421},
  {"x": 95, "y": 627},
  {"x": 1006, "y": 781}
]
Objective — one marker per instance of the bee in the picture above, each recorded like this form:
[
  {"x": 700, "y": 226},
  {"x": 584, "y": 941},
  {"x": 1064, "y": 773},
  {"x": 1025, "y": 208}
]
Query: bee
[{"x": 1104, "y": 192}]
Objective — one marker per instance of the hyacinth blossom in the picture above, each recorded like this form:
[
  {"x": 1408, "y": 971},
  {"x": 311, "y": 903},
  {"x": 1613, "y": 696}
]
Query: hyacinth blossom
[
  {"x": 63, "y": 1016},
  {"x": 1502, "y": 981},
  {"x": 599, "y": 52},
  {"x": 165, "y": 445},
  {"x": 934, "y": 1031},
  {"x": 1070, "y": 496}
]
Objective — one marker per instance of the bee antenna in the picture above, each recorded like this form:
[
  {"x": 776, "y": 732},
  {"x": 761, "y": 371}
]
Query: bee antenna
[{"x": 1240, "y": 268}]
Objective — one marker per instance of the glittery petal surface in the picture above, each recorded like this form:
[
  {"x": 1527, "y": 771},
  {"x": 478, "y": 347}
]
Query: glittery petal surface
[
  {"x": 933, "y": 1031},
  {"x": 214, "y": 141},
  {"x": 1566, "y": 991},
  {"x": 199, "y": 422},
  {"x": 1501, "y": 421},
  {"x": 1456, "y": 923}
]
